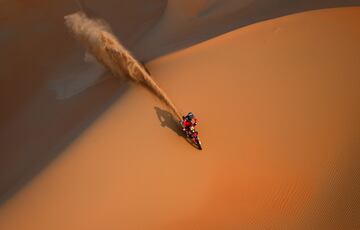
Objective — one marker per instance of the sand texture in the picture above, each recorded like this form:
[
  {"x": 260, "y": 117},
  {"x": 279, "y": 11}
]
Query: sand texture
[{"x": 279, "y": 109}]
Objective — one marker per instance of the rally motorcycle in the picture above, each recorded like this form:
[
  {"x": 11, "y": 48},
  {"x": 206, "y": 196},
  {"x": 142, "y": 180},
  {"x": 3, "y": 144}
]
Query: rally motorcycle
[{"x": 193, "y": 135}]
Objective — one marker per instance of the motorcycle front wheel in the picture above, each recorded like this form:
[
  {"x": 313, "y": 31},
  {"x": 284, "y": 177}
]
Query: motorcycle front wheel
[{"x": 198, "y": 143}]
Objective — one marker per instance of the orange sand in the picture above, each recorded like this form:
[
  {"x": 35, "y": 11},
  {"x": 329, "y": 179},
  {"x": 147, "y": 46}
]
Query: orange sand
[{"x": 279, "y": 111}]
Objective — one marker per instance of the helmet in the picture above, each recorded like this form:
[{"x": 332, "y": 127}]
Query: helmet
[{"x": 189, "y": 116}]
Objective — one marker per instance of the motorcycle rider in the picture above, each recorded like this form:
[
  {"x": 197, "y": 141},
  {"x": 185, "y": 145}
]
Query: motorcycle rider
[{"x": 188, "y": 121}]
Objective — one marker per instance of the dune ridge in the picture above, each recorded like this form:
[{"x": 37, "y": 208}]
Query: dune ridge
[{"x": 97, "y": 37}]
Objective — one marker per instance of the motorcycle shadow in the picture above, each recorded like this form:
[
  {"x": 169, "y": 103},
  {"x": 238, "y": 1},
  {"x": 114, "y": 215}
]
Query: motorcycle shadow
[{"x": 167, "y": 120}]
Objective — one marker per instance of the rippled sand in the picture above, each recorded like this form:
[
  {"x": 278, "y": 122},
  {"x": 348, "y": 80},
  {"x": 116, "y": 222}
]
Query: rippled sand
[{"x": 279, "y": 111}]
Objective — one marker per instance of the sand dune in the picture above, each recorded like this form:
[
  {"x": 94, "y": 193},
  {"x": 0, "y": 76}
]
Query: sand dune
[
  {"x": 278, "y": 104},
  {"x": 41, "y": 109},
  {"x": 187, "y": 22}
]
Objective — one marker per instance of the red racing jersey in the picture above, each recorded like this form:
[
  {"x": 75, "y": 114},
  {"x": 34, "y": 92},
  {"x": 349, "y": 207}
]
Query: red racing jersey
[{"x": 187, "y": 124}]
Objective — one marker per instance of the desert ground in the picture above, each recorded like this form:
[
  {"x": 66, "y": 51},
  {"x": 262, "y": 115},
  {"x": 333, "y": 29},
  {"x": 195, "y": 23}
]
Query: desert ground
[{"x": 276, "y": 91}]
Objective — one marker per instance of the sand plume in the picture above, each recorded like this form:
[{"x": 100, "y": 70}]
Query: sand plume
[{"x": 96, "y": 35}]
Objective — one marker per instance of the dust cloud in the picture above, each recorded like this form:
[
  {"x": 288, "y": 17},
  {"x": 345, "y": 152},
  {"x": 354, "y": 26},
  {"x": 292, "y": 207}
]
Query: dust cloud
[{"x": 96, "y": 35}]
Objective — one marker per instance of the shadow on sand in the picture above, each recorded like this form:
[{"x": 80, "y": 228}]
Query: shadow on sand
[
  {"x": 167, "y": 120},
  {"x": 64, "y": 122}
]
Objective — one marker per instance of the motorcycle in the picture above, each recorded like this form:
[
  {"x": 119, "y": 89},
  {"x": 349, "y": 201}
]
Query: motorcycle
[{"x": 193, "y": 135}]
